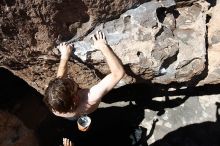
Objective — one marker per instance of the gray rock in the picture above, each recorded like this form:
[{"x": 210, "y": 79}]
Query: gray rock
[{"x": 164, "y": 40}]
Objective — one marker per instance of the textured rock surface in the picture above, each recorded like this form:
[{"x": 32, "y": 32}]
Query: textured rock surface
[
  {"x": 214, "y": 47},
  {"x": 196, "y": 110},
  {"x": 159, "y": 41},
  {"x": 178, "y": 117},
  {"x": 154, "y": 42},
  {"x": 14, "y": 133},
  {"x": 30, "y": 29}
]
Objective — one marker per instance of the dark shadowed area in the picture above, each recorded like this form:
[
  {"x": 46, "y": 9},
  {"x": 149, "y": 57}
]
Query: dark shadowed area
[{"x": 111, "y": 125}]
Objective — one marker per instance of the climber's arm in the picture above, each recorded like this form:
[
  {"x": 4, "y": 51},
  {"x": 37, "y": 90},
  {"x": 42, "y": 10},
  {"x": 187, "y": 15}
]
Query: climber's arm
[
  {"x": 66, "y": 51},
  {"x": 115, "y": 65}
]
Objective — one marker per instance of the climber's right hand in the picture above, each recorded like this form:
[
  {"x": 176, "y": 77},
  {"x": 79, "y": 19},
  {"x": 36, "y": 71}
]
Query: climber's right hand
[{"x": 65, "y": 50}]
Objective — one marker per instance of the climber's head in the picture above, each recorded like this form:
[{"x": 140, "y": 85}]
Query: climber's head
[{"x": 61, "y": 95}]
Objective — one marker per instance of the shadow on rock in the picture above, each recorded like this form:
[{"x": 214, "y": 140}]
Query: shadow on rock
[
  {"x": 201, "y": 134},
  {"x": 110, "y": 126},
  {"x": 144, "y": 95}
]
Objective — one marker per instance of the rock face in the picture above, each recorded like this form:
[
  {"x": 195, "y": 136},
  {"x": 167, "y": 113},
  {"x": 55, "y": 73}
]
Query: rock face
[
  {"x": 158, "y": 41},
  {"x": 30, "y": 29},
  {"x": 154, "y": 42},
  {"x": 214, "y": 47},
  {"x": 196, "y": 110},
  {"x": 14, "y": 133}
]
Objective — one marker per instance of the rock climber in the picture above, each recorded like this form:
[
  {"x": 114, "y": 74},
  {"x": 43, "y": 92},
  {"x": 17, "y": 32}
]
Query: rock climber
[{"x": 64, "y": 97}]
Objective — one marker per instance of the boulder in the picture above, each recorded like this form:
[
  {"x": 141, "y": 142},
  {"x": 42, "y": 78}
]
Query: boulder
[
  {"x": 29, "y": 30},
  {"x": 157, "y": 41},
  {"x": 162, "y": 44},
  {"x": 213, "y": 51}
]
